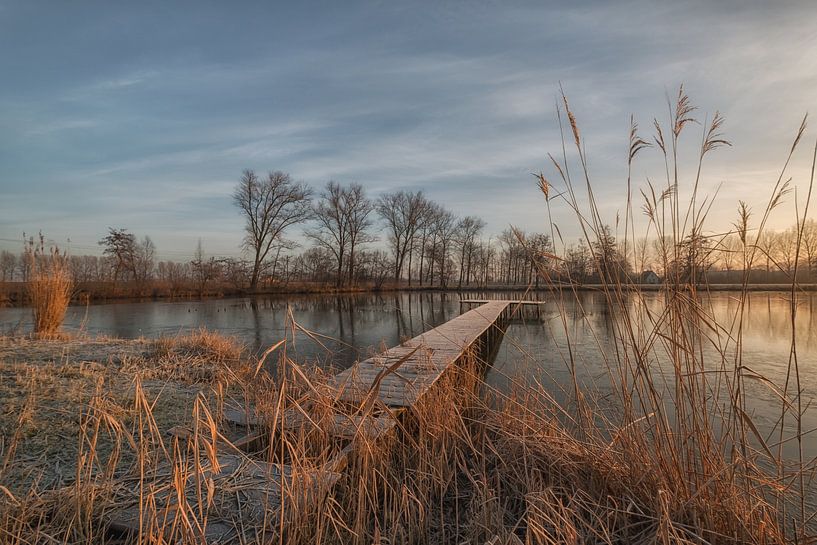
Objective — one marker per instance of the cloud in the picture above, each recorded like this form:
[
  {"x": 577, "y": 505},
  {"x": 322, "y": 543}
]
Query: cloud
[
  {"x": 151, "y": 124},
  {"x": 123, "y": 81},
  {"x": 60, "y": 126}
]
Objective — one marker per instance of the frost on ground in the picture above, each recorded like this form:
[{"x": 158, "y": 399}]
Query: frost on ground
[{"x": 46, "y": 386}]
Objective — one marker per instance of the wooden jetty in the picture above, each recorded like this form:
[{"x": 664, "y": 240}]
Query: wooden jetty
[
  {"x": 514, "y": 306},
  {"x": 393, "y": 381},
  {"x": 423, "y": 359},
  {"x": 509, "y": 302}
]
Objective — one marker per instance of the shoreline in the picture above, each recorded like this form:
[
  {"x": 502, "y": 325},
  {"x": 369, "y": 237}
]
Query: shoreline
[{"x": 15, "y": 298}]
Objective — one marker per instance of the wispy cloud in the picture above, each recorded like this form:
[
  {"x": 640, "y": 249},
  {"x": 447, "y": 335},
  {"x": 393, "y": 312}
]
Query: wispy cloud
[
  {"x": 127, "y": 80},
  {"x": 60, "y": 125},
  {"x": 148, "y": 125}
]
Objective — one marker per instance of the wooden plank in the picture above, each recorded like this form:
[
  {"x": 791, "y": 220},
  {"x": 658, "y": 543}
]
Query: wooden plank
[
  {"x": 509, "y": 301},
  {"x": 343, "y": 426},
  {"x": 241, "y": 417},
  {"x": 433, "y": 351},
  {"x": 126, "y": 521},
  {"x": 257, "y": 487},
  {"x": 230, "y": 442}
]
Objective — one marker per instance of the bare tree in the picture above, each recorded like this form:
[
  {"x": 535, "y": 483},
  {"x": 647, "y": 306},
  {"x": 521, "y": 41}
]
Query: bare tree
[
  {"x": 467, "y": 231},
  {"x": 342, "y": 222},
  {"x": 121, "y": 247},
  {"x": 377, "y": 266},
  {"x": 810, "y": 245},
  {"x": 578, "y": 262},
  {"x": 539, "y": 253},
  {"x": 511, "y": 250},
  {"x": 728, "y": 251},
  {"x": 332, "y": 225},
  {"x": 314, "y": 263},
  {"x": 428, "y": 239},
  {"x": 269, "y": 207},
  {"x": 8, "y": 262},
  {"x": 485, "y": 253},
  {"x": 203, "y": 270},
  {"x": 609, "y": 263},
  {"x": 175, "y": 274},
  {"x": 445, "y": 225},
  {"x": 642, "y": 256},
  {"x": 359, "y": 210},
  {"x": 144, "y": 260},
  {"x": 767, "y": 244},
  {"x": 787, "y": 250},
  {"x": 403, "y": 214},
  {"x": 84, "y": 268},
  {"x": 236, "y": 271}
]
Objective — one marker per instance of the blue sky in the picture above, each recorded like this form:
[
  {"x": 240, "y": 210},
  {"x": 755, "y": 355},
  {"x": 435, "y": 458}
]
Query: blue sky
[{"x": 142, "y": 115}]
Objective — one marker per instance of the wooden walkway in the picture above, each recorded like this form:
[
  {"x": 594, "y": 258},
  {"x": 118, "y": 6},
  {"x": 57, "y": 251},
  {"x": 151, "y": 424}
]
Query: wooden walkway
[
  {"x": 398, "y": 378},
  {"x": 423, "y": 359},
  {"x": 512, "y": 303}
]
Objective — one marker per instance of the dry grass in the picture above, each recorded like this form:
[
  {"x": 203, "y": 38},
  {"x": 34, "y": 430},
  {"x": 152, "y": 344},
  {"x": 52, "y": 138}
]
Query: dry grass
[
  {"x": 467, "y": 465},
  {"x": 199, "y": 357},
  {"x": 47, "y": 385},
  {"x": 49, "y": 288},
  {"x": 683, "y": 426}
]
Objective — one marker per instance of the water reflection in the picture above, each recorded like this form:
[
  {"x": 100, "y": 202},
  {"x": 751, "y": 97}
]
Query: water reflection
[
  {"x": 574, "y": 333},
  {"x": 577, "y": 335},
  {"x": 366, "y": 321}
]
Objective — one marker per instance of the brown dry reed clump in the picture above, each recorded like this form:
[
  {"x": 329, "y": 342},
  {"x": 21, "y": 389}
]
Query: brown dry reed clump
[
  {"x": 199, "y": 357},
  {"x": 49, "y": 288}
]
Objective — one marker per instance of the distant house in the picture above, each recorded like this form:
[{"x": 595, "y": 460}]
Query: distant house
[{"x": 649, "y": 277}]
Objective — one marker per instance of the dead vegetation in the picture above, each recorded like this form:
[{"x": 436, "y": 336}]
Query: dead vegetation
[
  {"x": 199, "y": 357},
  {"x": 467, "y": 465},
  {"x": 49, "y": 288},
  {"x": 47, "y": 385}
]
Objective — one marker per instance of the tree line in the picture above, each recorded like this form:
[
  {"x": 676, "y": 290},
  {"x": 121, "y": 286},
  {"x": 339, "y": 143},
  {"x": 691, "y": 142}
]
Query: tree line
[
  {"x": 350, "y": 239},
  {"x": 403, "y": 237},
  {"x": 425, "y": 243}
]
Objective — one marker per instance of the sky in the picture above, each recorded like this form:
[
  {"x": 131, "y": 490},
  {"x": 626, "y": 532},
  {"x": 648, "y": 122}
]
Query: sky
[{"x": 142, "y": 115}]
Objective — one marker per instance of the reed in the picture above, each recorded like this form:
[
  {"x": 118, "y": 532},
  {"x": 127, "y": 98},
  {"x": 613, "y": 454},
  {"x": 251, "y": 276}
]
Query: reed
[
  {"x": 678, "y": 379},
  {"x": 50, "y": 286}
]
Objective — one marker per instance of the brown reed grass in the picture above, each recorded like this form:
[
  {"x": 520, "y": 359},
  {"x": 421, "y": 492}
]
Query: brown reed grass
[
  {"x": 467, "y": 464},
  {"x": 200, "y": 356},
  {"x": 50, "y": 286},
  {"x": 678, "y": 379}
]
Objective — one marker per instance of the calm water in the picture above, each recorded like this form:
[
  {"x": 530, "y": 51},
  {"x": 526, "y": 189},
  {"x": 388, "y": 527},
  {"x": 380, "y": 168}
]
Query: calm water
[
  {"x": 350, "y": 326},
  {"x": 536, "y": 348}
]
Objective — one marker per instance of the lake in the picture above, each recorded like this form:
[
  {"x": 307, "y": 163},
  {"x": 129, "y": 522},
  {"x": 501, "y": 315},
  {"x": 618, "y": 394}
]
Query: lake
[{"x": 353, "y": 326}]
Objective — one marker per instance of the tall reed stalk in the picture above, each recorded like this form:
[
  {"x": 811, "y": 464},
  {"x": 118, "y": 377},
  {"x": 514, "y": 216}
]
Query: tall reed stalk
[
  {"x": 49, "y": 287},
  {"x": 677, "y": 372}
]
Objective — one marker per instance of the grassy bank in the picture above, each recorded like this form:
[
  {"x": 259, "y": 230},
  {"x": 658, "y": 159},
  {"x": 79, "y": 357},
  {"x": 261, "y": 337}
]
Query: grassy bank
[
  {"x": 48, "y": 385},
  {"x": 16, "y": 293}
]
